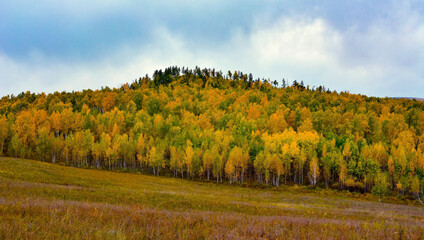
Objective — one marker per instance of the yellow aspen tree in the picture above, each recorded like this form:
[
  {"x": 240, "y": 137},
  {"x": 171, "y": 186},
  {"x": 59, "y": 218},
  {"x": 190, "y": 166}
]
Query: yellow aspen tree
[
  {"x": 276, "y": 122},
  {"x": 4, "y": 132},
  {"x": 342, "y": 174},
  {"x": 55, "y": 120},
  {"x": 140, "y": 150},
  {"x": 313, "y": 171},
  {"x": 306, "y": 126},
  {"x": 286, "y": 160},
  {"x": 230, "y": 171},
  {"x": 253, "y": 112},
  {"x": 67, "y": 120},
  {"x": 416, "y": 189},
  {"x": 209, "y": 158},
  {"x": 259, "y": 167},
  {"x": 421, "y": 161},
  {"x": 96, "y": 151},
  {"x": 277, "y": 167},
  {"x": 238, "y": 160},
  {"x": 296, "y": 157},
  {"x": 66, "y": 149},
  {"x": 25, "y": 128},
  {"x": 152, "y": 158},
  {"x": 109, "y": 101},
  {"x": 174, "y": 159},
  {"x": 43, "y": 143},
  {"x": 105, "y": 147},
  {"x": 267, "y": 166},
  {"x": 346, "y": 152},
  {"x": 55, "y": 143},
  {"x": 188, "y": 158},
  {"x": 391, "y": 169}
]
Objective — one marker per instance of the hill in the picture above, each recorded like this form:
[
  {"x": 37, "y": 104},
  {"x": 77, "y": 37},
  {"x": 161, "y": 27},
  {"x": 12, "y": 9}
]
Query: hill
[
  {"x": 202, "y": 124},
  {"x": 47, "y": 201}
]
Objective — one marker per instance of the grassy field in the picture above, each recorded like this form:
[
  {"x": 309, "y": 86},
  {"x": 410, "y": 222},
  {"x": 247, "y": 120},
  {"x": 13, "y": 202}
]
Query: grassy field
[{"x": 45, "y": 201}]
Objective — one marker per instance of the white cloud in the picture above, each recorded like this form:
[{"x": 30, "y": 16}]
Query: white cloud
[
  {"x": 384, "y": 59},
  {"x": 40, "y": 73},
  {"x": 307, "y": 42}
]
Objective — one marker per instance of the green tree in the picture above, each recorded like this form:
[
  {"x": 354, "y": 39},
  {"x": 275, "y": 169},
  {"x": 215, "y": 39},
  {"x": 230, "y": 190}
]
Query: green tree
[
  {"x": 416, "y": 188},
  {"x": 380, "y": 188},
  {"x": 43, "y": 143}
]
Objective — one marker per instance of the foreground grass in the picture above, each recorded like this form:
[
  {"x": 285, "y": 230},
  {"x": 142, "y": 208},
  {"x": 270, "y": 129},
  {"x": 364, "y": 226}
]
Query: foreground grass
[{"x": 44, "y": 201}]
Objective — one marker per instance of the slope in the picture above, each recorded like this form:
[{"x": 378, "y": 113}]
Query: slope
[{"x": 46, "y": 201}]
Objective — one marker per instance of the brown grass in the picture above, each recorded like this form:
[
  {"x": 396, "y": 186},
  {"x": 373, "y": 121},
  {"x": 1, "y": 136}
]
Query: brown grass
[{"x": 45, "y": 201}]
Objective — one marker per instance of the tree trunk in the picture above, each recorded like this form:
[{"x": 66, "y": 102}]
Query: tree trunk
[
  {"x": 54, "y": 157},
  {"x": 419, "y": 199},
  {"x": 278, "y": 180}
]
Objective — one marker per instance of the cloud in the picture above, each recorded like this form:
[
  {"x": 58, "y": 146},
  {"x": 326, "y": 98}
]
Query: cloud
[
  {"x": 294, "y": 42},
  {"x": 40, "y": 73},
  {"x": 382, "y": 58},
  {"x": 79, "y": 30}
]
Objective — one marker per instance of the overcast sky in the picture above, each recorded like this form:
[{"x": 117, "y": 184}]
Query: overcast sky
[{"x": 369, "y": 47}]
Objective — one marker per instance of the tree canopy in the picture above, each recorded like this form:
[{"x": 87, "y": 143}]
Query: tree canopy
[{"x": 202, "y": 123}]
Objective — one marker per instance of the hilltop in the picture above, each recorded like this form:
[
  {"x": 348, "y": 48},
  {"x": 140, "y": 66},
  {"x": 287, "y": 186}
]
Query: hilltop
[{"x": 203, "y": 124}]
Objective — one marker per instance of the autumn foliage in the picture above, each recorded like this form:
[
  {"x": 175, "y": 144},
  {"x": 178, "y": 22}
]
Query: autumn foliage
[{"x": 203, "y": 124}]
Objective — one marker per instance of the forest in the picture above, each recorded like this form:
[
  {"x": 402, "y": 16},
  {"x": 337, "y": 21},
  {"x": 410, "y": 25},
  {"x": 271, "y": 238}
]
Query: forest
[{"x": 207, "y": 125}]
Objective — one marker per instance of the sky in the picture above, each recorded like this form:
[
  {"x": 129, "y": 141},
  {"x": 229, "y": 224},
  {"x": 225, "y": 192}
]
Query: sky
[{"x": 374, "y": 47}]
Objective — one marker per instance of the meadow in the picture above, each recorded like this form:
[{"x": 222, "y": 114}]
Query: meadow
[{"x": 48, "y": 201}]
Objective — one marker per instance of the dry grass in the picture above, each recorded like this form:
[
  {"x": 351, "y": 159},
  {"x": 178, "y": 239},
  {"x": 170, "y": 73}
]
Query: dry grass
[{"x": 45, "y": 201}]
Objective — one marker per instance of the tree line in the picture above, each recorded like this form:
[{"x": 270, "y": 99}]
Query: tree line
[{"x": 204, "y": 124}]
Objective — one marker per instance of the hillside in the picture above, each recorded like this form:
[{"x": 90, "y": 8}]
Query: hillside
[
  {"x": 203, "y": 124},
  {"x": 47, "y": 201}
]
